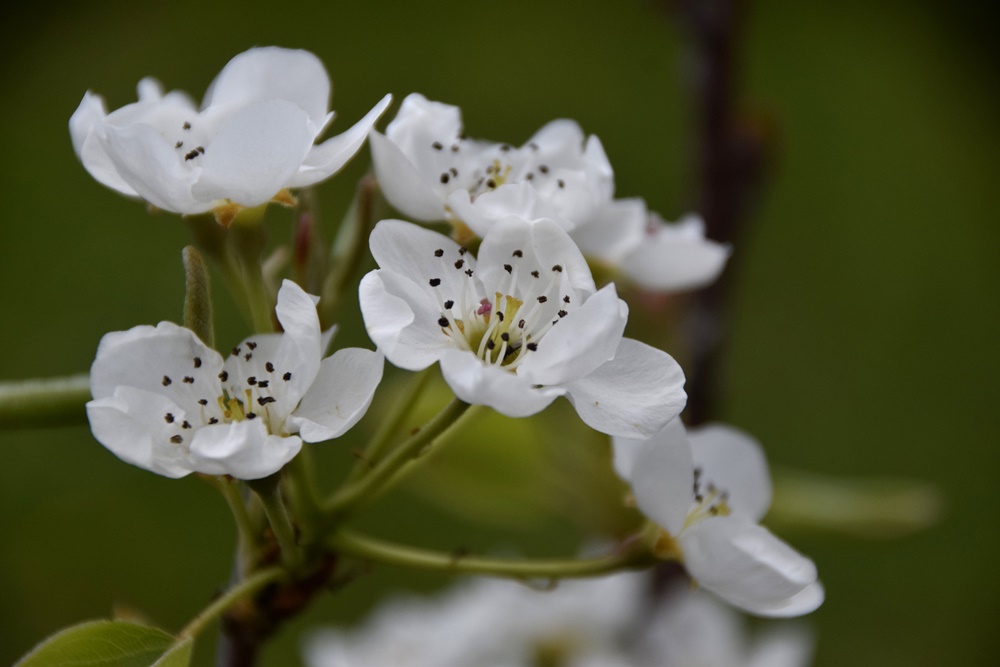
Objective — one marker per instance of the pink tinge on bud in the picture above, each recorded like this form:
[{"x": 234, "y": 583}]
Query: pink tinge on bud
[{"x": 484, "y": 307}]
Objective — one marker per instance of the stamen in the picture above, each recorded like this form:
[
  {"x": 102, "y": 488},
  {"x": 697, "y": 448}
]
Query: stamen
[
  {"x": 188, "y": 379},
  {"x": 286, "y": 377},
  {"x": 169, "y": 418},
  {"x": 166, "y": 381},
  {"x": 269, "y": 367},
  {"x": 176, "y": 439},
  {"x": 197, "y": 362}
]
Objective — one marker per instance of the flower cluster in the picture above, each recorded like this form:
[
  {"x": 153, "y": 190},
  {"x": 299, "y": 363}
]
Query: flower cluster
[{"x": 507, "y": 306}]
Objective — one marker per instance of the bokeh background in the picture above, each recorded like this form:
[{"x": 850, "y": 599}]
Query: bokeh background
[{"x": 865, "y": 311}]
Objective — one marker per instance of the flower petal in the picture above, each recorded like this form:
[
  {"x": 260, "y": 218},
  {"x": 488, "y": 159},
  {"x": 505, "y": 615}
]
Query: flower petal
[
  {"x": 130, "y": 424},
  {"x": 735, "y": 463},
  {"x": 661, "y": 474},
  {"x": 676, "y": 257},
  {"x": 151, "y": 167},
  {"x": 613, "y": 230},
  {"x": 167, "y": 359},
  {"x": 412, "y": 251},
  {"x": 746, "y": 565},
  {"x": 481, "y": 212},
  {"x": 255, "y": 153},
  {"x": 401, "y": 319},
  {"x": 340, "y": 395},
  {"x": 543, "y": 243},
  {"x": 271, "y": 72},
  {"x": 805, "y": 601},
  {"x": 634, "y": 395},
  {"x": 327, "y": 158},
  {"x": 243, "y": 450},
  {"x": 509, "y": 394},
  {"x": 88, "y": 147},
  {"x": 581, "y": 342},
  {"x": 402, "y": 184}
]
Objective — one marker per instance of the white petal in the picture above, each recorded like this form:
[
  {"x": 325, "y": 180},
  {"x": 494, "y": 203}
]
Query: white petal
[
  {"x": 268, "y": 73},
  {"x": 402, "y": 184},
  {"x": 151, "y": 167},
  {"x": 243, "y": 450},
  {"x": 479, "y": 214},
  {"x": 509, "y": 394},
  {"x": 662, "y": 474},
  {"x": 412, "y": 251},
  {"x": 401, "y": 319},
  {"x": 634, "y": 395},
  {"x": 746, "y": 565},
  {"x": 543, "y": 243},
  {"x": 613, "y": 230},
  {"x": 301, "y": 346},
  {"x": 735, "y": 463},
  {"x": 255, "y": 153},
  {"x": 787, "y": 645},
  {"x": 329, "y": 157},
  {"x": 340, "y": 395},
  {"x": 157, "y": 360},
  {"x": 581, "y": 342},
  {"x": 89, "y": 148},
  {"x": 676, "y": 257},
  {"x": 420, "y": 122},
  {"x": 130, "y": 424},
  {"x": 693, "y": 628}
]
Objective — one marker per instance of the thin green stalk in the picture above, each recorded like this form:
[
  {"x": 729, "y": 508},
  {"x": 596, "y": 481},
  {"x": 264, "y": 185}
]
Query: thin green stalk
[
  {"x": 300, "y": 481},
  {"x": 402, "y": 407},
  {"x": 245, "y": 530},
  {"x": 247, "y": 587},
  {"x": 355, "y": 495},
  {"x": 44, "y": 402},
  {"x": 269, "y": 492},
  {"x": 633, "y": 556}
]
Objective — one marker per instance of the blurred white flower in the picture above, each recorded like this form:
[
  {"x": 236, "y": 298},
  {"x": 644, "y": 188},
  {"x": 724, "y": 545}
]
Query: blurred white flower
[
  {"x": 492, "y": 623},
  {"x": 430, "y": 171},
  {"x": 692, "y": 629},
  {"x": 516, "y": 327},
  {"x": 166, "y": 402},
  {"x": 252, "y": 138},
  {"x": 708, "y": 493}
]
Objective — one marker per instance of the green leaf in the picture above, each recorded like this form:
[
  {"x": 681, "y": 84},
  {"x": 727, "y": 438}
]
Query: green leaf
[
  {"x": 109, "y": 644},
  {"x": 178, "y": 656}
]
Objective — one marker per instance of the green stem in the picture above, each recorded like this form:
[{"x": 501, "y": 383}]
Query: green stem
[
  {"x": 402, "y": 407},
  {"x": 633, "y": 556},
  {"x": 245, "y": 530},
  {"x": 301, "y": 484},
  {"x": 269, "y": 492},
  {"x": 355, "y": 495},
  {"x": 44, "y": 402},
  {"x": 248, "y": 586}
]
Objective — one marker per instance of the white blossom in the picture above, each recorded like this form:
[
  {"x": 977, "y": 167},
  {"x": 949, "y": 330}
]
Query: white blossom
[
  {"x": 429, "y": 171},
  {"x": 517, "y": 326},
  {"x": 252, "y": 138},
  {"x": 492, "y": 623},
  {"x": 690, "y": 628},
  {"x": 166, "y": 402},
  {"x": 708, "y": 492}
]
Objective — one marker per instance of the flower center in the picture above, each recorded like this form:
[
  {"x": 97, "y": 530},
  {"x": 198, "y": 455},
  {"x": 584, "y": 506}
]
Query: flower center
[
  {"x": 709, "y": 501},
  {"x": 255, "y": 389},
  {"x": 503, "y": 326}
]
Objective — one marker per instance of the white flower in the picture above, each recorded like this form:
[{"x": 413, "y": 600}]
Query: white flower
[
  {"x": 655, "y": 255},
  {"x": 691, "y": 628},
  {"x": 252, "y": 138},
  {"x": 708, "y": 492},
  {"x": 430, "y": 172},
  {"x": 516, "y": 327},
  {"x": 166, "y": 402},
  {"x": 491, "y": 623}
]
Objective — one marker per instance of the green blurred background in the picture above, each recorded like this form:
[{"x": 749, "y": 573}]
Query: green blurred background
[{"x": 864, "y": 332}]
